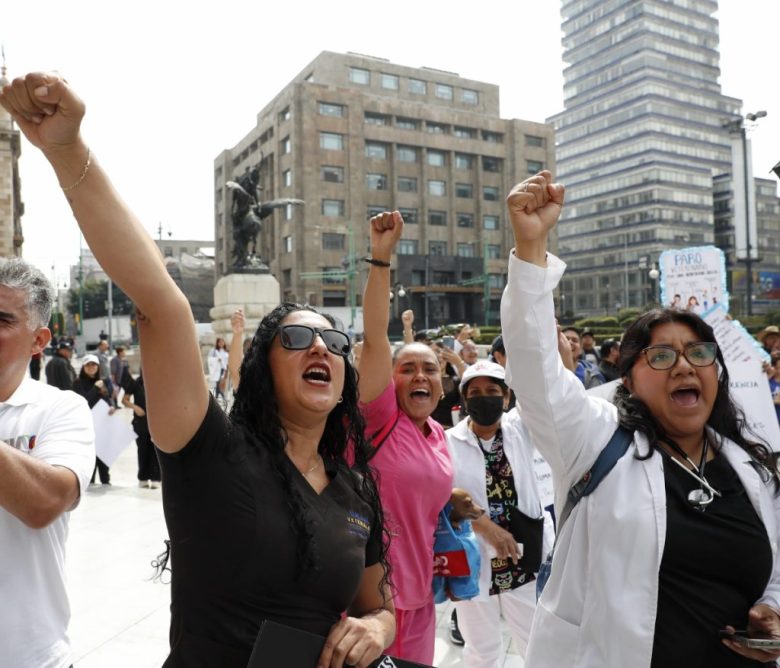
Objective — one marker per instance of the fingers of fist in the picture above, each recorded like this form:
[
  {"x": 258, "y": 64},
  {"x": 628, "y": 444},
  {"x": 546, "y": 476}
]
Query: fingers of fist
[{"x": 387, "y": 220}]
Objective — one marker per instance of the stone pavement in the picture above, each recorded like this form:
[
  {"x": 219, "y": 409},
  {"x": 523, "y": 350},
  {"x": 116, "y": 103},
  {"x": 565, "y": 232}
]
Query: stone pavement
[{"x": 120, "y": 615}]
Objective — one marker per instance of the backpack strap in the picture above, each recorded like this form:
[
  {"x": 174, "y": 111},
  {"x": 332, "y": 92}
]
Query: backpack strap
[
  {"x": 608, "y": 457},
  {"x": 379, "y": 438}
]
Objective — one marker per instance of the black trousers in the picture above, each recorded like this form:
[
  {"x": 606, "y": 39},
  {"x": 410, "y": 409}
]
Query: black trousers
[
  {"x": 102, "y": 469},
  {"x": 148, "y": 464}
]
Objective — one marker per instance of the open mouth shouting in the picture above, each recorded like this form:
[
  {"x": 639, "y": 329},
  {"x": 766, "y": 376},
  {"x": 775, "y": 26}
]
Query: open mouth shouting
[
  {"x": 420, "y": 394},
  {"x": 686, "y": 395},
  {"x": 317, "y": 374}
]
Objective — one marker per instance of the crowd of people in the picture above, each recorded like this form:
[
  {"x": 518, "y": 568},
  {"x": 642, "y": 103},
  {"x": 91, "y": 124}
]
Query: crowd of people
[{"x": 314, "y": 500}]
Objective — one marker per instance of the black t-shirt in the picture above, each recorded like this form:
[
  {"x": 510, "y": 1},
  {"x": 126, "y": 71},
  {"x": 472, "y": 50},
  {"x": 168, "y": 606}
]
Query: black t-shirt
[
  {"x": 716, "y": 565},
  {"x": 233, "y": 552}
]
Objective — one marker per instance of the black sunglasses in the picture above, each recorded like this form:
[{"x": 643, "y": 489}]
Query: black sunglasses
[{"x": 301, "y": 337}]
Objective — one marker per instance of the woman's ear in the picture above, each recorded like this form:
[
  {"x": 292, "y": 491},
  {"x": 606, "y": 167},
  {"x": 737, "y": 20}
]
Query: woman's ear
[
  {"x": 506, "y": 398},
  {"x": 628, "y": 384}
]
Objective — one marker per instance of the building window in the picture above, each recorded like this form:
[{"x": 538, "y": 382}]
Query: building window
[
  {"x": 436, "y": 158},
  {"x": 332, "y": 173},
  {"x": 376, "y": 150},
  {"x": 464, "y": 133},
  {"x": 287, "y": 178},
  {"x": 407, "y": 184},
  {"x": 534, "y": 166},
  {"x": 407, "y": 247},
  {"x": 465, "y": 219},
  {"x": 359, "y": 76},
  {"x": 437, "y": 128},
  {"x": 331, "y": 109},
  {"x": 494, "y": 252},
  {"x": 437, "y": 217},
  {"x": 469, "y": 96},
  {"x": 372, "y": 211},
  {"x": 334, "y": 298},
  {"x": 288, "y": 212},
  {"x": 284, "y": 114},
  {"x": 389, "y": 81},
  {"x": 331, "y": 141},
  {"x": 443, "y": 277},
  {"x": 490, "y": 193},
  {"x": 437, "y": 188},
  {"x": 286, "y": 145},
  {"x": 376, "y": 181},
  {"x": 466, "y": 250},
  {"x": 464, "y": 161},
  {"x": 373, "y": 118},
  {"x": 491, "y": 164},
  {"x": 465, "y": 190},
  {"x": 333, "y": 207},
  {"x": 490, "y": 222},
  {"x": 532, "y": 140},
  {"x": 406, "y": 154},
  {"x": 495, "y": 137},
  {"x": 496, "y": 281},
  {"x": 417, "y": 87},
  {"x": 406, "y": 123},
  {"x": 437, "y": 248},
  {"x": 443, "y": 91},
  {"x": 287, "y": 243},
  {"x": 409, "y": 216},
  {"x": 287, "y": 278},
  {"x": 333, "y": 241}
]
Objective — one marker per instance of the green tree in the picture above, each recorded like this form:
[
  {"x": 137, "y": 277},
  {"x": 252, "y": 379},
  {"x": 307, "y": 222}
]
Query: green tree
[{"x": 95, "y": 296}]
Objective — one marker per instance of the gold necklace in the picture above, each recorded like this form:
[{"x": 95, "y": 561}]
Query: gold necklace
[{"x": 313, "y": 468}]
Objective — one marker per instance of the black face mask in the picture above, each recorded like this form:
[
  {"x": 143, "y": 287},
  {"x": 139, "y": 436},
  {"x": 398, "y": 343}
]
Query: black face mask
[{"x": 485, "y": 411}]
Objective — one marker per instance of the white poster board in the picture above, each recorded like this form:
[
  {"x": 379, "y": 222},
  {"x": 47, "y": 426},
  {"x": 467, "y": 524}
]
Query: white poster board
[
  {"x": 112, "y": 433},
  {"x": 694, "y": 279}
]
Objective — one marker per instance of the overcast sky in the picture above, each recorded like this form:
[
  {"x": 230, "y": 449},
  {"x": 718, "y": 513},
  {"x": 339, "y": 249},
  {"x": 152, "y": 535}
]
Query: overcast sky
[{"x": 170, "y": 84}]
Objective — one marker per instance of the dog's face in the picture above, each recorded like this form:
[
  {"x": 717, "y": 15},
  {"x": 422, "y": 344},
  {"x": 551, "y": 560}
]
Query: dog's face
[{"x": 463, "y": 507}]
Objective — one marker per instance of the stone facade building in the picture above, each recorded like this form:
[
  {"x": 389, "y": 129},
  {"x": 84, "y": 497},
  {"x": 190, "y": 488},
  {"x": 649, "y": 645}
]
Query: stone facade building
[
  {"x": 11, "y": 205},
  {"x": 353, "y": 135}
]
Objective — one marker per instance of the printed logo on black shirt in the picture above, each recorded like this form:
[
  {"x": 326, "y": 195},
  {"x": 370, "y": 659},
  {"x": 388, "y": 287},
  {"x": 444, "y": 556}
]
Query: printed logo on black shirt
[{"x": 358, "y": 525}]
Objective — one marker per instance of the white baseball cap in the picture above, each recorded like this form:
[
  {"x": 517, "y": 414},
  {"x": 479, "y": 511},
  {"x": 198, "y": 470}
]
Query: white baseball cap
[
  {"x": 483, "y": 368},
  {"x": 90, "y": 358}
]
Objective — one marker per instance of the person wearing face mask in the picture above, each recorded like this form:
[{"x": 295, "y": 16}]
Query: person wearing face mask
[{"x": 493, "y": 459}]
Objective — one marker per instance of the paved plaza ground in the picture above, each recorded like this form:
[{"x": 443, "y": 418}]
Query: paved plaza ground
[{"x": 120, "y": 615}]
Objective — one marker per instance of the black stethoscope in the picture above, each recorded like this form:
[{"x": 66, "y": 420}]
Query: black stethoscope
[{"x": 704, "y": 496}]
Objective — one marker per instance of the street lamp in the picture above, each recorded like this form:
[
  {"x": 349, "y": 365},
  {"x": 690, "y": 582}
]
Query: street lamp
[
  {"x": 653, "y": 275},
  {"x": 736, "y": 126}
]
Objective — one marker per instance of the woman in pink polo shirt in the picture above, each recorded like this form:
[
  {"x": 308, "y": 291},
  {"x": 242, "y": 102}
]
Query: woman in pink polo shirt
[{"x": 398, "y": 394}]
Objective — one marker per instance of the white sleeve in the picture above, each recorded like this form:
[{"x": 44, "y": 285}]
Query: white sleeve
[{"x": 567, "y": 426}]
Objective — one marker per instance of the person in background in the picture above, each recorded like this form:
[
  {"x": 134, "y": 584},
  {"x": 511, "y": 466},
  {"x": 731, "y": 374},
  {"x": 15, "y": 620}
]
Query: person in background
[
  {"x": 691, "y": 507},
  {"x": 397, "y": 396},
  {"x": 588, "y": 345},
  {"x": 452, "y": 368},
  {"x": 101, "y": 352},
  {"x": 266, "y": 519},
  {"x": 587, "y": 372},
  {"x": 134, "y": 398},
  {"x": 464, "y": 334},
  {"x": 47, "y": 451},
  {"x": 774, "y": 385},
  {"x": 469, "y": 352},
  {"x": 93, "y": 388},
  {"x": 59, "y": 371},
  {"x": 238, "y": 347},
  {"x": 610, "y": 352},
  {"x": 407, "y": 318},
  {"x": 218, "y": 365},
  {"x": 493, "y": 460},
  {"x": 120, "y": 368},
  {"x": 769, "y": 337}
]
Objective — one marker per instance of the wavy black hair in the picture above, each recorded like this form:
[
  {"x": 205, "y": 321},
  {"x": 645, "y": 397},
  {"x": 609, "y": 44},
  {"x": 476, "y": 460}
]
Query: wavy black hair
[
  {"x": 726, "y": 418},
  {"x": 255, "y": 409}
]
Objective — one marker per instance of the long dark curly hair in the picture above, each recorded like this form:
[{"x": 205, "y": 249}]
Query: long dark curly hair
[
  {"x": 256, "y": 410},
  {"x": 726, "y": 418}
]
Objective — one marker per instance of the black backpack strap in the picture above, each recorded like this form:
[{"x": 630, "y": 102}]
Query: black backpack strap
[
  {"x": 608, "y": 457},
  {"x": 382, "y": 436}
]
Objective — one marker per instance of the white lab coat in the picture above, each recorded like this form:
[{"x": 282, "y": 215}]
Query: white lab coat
[
  {"x": 468, "y": 464},
  {"x": 599, "y": 606}
]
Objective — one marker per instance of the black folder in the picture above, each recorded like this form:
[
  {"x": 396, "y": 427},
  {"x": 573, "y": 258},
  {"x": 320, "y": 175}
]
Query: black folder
[{"x": 283, "y": 646}]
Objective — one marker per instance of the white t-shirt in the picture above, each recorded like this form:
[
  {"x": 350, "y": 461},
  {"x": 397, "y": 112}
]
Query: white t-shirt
[
  {"x": 218, "y": 360},
  {"x": 56, "y": 427}
]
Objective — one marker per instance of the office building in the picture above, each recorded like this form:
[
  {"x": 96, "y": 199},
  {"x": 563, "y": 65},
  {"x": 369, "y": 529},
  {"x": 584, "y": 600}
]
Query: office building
[
  {"x": 353, "y": 135},
  {"x": 639, "y": 141},
  {"x": 11, "y": 206}
]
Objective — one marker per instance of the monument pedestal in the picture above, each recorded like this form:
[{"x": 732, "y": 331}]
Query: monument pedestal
[{"x": 257, "y": 294}]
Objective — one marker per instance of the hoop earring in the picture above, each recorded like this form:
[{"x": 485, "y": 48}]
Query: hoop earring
[{"x": 340, "y": 400}]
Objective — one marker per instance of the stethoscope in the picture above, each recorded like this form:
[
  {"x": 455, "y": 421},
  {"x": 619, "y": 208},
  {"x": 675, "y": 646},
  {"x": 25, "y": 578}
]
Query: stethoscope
[{"x": 705, "y": 495}]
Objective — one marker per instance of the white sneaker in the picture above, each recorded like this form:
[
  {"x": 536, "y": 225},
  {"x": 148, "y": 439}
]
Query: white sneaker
[
  {"x": 144, "y": 484},
  {"x": 154, "y": 484}
]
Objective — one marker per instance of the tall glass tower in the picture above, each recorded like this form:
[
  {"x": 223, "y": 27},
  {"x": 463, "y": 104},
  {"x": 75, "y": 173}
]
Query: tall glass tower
[{"x": 639, "y": 141}]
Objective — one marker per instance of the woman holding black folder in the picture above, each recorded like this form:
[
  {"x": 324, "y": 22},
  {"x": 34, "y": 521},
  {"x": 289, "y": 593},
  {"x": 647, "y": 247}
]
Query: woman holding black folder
[{"x": 266, "y": 520}]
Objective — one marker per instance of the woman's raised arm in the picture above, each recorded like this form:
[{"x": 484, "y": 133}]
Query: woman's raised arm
[{"x": 49, "y": 113}]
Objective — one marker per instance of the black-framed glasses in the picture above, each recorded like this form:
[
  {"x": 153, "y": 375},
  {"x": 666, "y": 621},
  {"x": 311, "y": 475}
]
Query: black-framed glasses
[
  {"x": 301, "y": 337},
  {"x": 698, "y": 353}
]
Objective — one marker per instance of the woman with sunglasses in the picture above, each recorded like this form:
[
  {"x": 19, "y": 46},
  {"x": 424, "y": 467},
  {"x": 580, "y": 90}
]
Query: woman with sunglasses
[
  {"x": 398, "y": 393},
  {"x": 679, "y": 539},
  {"x": 266, "y": 520}
]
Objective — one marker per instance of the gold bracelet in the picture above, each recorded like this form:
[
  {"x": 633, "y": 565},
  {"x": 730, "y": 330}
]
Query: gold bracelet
[{"x": 83, "y": 173}]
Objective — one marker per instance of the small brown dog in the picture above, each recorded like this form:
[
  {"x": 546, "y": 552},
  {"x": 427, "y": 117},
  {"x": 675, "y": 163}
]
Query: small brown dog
[{"x": 463, "y": 507}]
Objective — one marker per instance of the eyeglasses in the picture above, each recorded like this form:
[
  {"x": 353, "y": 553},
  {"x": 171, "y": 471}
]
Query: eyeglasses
[
  {"x": 301, "y": 337},
  {"x": 699, "y": 353}
]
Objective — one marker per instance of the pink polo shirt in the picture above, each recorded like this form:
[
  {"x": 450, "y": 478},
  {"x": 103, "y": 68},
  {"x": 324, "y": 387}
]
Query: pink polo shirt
[{"x": 415, "y": 482}]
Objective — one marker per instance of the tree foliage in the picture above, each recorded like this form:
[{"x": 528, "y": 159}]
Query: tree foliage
[{"x": 95, "y": 297}]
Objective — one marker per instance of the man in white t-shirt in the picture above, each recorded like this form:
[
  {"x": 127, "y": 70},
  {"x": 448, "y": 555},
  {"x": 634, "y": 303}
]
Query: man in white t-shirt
[{"x": 47, "y": 454}]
